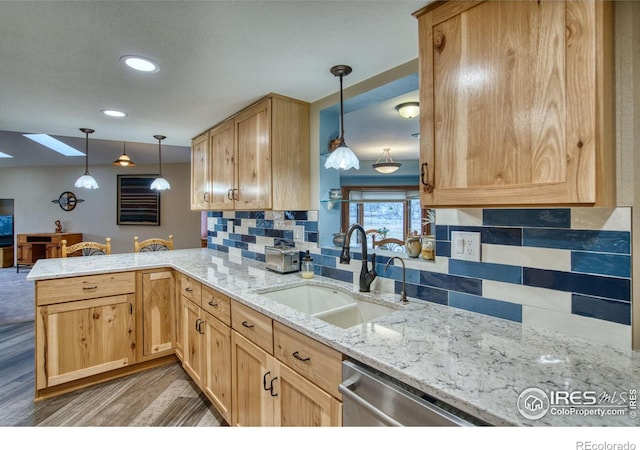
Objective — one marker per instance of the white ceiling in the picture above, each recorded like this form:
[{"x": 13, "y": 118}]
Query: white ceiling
[{"x": 59, "y": 66}]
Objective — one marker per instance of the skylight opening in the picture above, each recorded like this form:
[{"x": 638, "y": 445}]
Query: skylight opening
[
  {"x": 54, "y": 144},
  {"x": 4, "y": 155}
]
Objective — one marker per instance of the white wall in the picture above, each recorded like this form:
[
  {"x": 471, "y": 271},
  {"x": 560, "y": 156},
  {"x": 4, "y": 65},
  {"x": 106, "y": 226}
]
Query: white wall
[{"x": 33, "y": 188}]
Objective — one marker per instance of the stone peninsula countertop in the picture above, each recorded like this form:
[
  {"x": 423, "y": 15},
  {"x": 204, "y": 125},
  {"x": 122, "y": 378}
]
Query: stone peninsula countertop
[{"x": 476, "y": 363}]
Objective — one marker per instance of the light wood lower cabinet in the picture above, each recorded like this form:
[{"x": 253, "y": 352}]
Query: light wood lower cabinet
[
  {"x": 81, "y": 338},
  {"x": 157, "y": 295},
  {"x": 267, "y": 391}
]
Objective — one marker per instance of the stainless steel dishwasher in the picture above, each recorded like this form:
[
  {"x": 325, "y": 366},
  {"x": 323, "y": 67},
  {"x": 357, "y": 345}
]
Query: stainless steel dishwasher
[{"x": 370, "y": 398}]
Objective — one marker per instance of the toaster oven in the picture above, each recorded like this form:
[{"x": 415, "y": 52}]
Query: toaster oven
[{"x": 282, "y": 259}]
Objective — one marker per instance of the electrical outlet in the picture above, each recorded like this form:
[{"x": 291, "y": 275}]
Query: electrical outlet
[{"x": 465, "y": 245}]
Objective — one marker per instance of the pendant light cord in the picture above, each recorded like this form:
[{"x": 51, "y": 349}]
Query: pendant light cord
[
  {"x": 341, "y": 112},
  {"x": 86, "y": 149}
]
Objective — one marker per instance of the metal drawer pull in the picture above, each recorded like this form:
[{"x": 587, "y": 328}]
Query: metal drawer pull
[
  {"x": 188, "y": 289},
  {"x": 215, "y": 305},
  {"x": 247, "y": 324},
  {"x": 297, "y": 356},
  {"x": 347, "y": 387},
  {"x": 90, "y": 288}
]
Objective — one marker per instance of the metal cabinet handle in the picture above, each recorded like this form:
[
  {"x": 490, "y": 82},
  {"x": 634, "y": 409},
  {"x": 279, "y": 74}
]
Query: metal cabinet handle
[
  {"x": 235, "y": 194},
  {"x": 264, "y": 381},
  {"x": 271, "y": 387},
  {"x": 198, "y": 325},
  {"x": 346, "y": 389},
  {"x": 229, "y": 194},
  {"x": 188, "y": 289},
  {"x": 297, "y": 356},
  {"x": 215, "y": 305},
  {"x": 206, "y": 196},
  {"x": 423, "y": 174},
  {"x": 247, "y": 324},
  {"x": 90, "y": 288}
]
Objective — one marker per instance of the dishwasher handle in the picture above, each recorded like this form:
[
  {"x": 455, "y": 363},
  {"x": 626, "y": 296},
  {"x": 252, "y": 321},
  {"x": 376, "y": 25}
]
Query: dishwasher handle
[{"x": 347, "y": 388}]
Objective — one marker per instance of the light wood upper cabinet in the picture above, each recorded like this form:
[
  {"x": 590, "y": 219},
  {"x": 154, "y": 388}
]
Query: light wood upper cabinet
[
  {"x": 255, "y": 160},
  {"x": 516, "y": 103}
]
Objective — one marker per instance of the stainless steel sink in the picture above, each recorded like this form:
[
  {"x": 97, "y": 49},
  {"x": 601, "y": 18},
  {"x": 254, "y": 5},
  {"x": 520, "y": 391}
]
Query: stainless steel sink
[{"x": 330, "y": 304}]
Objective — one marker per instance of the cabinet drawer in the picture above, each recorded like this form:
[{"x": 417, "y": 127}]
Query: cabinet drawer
[
  {"x": 254, "y": 326},
  {"x": 191, "y": 289},
  {"x": 315, "y": 361},
  {"x": 80, "y": 288},
  {"x": 216, "y": 304}
]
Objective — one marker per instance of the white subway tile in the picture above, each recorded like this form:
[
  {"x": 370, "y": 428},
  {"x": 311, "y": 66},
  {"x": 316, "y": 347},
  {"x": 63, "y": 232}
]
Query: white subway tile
[
  {"x": 229, "y": 214},
  {"x": 540, "y": 258},
  {"x": 610, "y": 219},
  {"x": 587, "y": 328},
  {"x": 312, "y": 215},
  {"x": 462, "y": 217},
  {"x": 527, "y": 295}
]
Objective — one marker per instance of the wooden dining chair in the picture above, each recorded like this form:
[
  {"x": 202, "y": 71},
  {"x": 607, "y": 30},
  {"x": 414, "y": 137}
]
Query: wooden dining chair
[
  {"x": 392, "y": 244},
  {"x": 152, "y": 245},
  {"x": 86, "y": 248}
]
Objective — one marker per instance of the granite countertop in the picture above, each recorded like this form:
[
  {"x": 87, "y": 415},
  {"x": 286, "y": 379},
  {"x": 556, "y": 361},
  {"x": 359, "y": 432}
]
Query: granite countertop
[{"x": 476, "y": 363}]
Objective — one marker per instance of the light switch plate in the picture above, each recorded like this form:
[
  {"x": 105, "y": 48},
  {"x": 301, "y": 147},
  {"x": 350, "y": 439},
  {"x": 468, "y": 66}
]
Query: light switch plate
[{"x": 465, "y": 245}]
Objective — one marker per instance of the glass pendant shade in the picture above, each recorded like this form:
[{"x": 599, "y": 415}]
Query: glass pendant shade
[
  {"x": 86, "y": 181},
  {"x": 342, "y": 158},
  {"x": 409, "y": 110},
  {"x": 124, "y": 160},
  {"x": 387, "y": 165},
  {"x": 160, "y": 184}
]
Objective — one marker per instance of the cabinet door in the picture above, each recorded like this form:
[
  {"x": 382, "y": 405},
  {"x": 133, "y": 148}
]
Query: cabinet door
[
  {"x": 158, "y": 328},
  {"x": 510, "y": 96},
  {"x": 217, "y": 361},
  {"x": 222, "y": 166},
  {"x": 253, "y": 165},
  {"x": 252, "y": 371},
  {"x": 84, "y": 338},
  {"x": 199, "y": 173},
  {"x": 302, "y": 403},
  {"x": 193, "y": 343}
]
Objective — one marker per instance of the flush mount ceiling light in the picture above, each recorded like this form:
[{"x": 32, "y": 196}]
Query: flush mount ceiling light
[
  {"x": 139, "y": 63},
  {"x": 113, "y": 113},
  {"x": 342, "y": 157},
  {"x": 86, "y": 181},
  {"x": 124, "y": 160},
  {"x": 387, "y": 165},
  {"x": 160, "y": 184},
  {"x": 408, "y": 110}
]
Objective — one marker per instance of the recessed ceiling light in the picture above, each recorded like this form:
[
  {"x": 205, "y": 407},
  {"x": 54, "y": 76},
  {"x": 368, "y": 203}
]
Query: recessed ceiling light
[
  {"x": 54, "y": 144},
  {"x": 113, "y": 113},
  {"x": 140, "y": 63},
  {"x": 4, "y": 155}
]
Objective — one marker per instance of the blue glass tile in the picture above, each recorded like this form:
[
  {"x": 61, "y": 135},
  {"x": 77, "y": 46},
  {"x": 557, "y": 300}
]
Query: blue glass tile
[
  {"x": 487, "y": 306},
  {"x": 451, "y": 282},
  {"x": 214, "y": 213},
  {"x": 428, "y": 294},
  {"x": 295, "y": 215},
  {"x": 220, "y": 227},
  {"x": 548, "y": 218},
  {"x": 601, "y": 263},
  {"x": 248, "y": 238},
  {"x": 256, "y": 231},
  {"x": 260, "y": 257},
  {"x": 600, "y": 308},
  {"x": 442, "y": 233},
  {"x": 322, "y": 260},
  {"x": 311, "y": 236},
  {"x": 443, "y": 248},
  {"x": 588, "y": 240},
  {"x": 606, "y": 287},
  {"x": 237, "y": 222},
  {"x": 256, "y": 214},
  {"x": 236, "y": 244},
  {"x": 337, "y": 274},
  {"x": 284, "y": 242},
  {"x": 308, "y": 225},
  {"x": 212, "y": 233},
  {"x": 248, "y": 254},
  {"x": 269, "y": 232},
  {"x": 395, "y": 273},
  {"x": 264, "y": 223},
  {"x": 221, "y": 248},
  {"x": 330, "y": 252},
  {"x": 243, "y": 214},
  {"x": 493, "y": 235},
  {"x": 235, "y": 236},
  {"x": 486, "y": 271}
]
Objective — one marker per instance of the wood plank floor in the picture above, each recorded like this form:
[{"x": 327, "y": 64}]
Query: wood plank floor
[{"x": 164, "y": 396}]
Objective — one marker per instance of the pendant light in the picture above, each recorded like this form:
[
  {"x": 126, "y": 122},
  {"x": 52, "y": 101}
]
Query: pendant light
[
  {"x": 387, "y": 165},
  {"x": 342, "y": 157},
  {"x": 86, "y": 181},
  {"x": 160, "y": 184},
  {"x": 124, "y": 160}
]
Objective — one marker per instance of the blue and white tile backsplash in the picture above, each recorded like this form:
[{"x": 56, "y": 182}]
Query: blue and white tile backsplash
[{"x": 566, "y": 269}]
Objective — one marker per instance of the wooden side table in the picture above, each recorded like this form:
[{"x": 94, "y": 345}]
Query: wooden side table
[
  {"x": 34, "y": 246},
  {"x": 6, "y": 256}
]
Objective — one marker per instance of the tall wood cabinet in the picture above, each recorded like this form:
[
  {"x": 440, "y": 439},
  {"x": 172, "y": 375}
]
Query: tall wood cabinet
[
  {"x": 516, "y": 103},
  {"x": 157, "y": 302},
  {"x": 254, "y": 160}
]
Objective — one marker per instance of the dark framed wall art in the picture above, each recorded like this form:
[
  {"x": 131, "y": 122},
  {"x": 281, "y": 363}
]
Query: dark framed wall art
[{"x": 138, "y": 204}]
